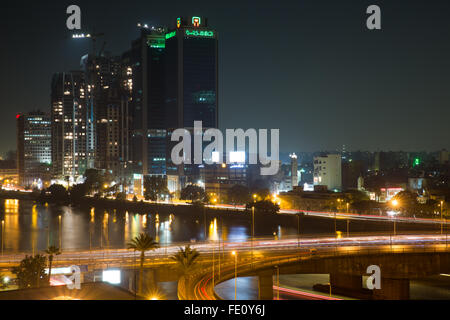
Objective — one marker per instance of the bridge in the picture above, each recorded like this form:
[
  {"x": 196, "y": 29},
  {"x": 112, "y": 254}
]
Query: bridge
[
  {"x": 401, "y": 257},
  {"x": 346, "y": 266}
]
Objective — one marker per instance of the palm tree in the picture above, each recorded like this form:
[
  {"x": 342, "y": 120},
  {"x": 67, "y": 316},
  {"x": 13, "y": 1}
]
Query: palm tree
[
  {"x": 186, "y": 260},
  {"x": 142, "y": 243},
  {"x": 51, "y": 251}
]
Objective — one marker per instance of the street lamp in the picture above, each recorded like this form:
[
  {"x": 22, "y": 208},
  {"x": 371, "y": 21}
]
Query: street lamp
[
  {"x": 348, "y": 223},
  {"x": 442, "y": 225},
  {"x": 60, "y": 236},
  {"x": 213, "y": 269},
  {"x": 234, "y": 253},
  {"x": 298, "y": 230},
  {"x": 335, "y": 218},
  {"x": 278, "y": 282},
  {"x": 394, "y": 204},
  {"x": 253, "y": 229},
  {"x": 167, "y": 235},
  {"x": 3, "y": 237}
]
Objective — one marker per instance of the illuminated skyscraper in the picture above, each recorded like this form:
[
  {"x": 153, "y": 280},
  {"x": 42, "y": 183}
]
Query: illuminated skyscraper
[
  {"x": 33, "y": 148},
  {"x": 70, "y": 118},
  {"x": 191, "y": 77},
  {"x": 145, "y": 74},
  {"x": 108, "y": 109},
  {"x": 173, "y": 79}
]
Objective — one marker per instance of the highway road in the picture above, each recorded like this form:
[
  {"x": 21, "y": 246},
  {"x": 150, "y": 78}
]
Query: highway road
[
  {"x": 345, "y": 215},
  {"x": 276, "y": 254},
  {"x": 260, "y": 247}
]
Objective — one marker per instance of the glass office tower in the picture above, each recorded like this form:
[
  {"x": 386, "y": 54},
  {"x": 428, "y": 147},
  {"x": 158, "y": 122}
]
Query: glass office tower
[{"x": 191, "y": 79}]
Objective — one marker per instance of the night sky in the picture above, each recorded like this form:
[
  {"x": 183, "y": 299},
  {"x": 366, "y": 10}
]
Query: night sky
[{"x": 308, "y": 67}]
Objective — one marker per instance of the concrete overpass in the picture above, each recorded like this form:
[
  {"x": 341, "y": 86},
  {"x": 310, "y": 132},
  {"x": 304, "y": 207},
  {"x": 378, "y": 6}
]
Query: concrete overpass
[
  {"x": 346, "y": 267},
  {"x": 344, "y": 259}
]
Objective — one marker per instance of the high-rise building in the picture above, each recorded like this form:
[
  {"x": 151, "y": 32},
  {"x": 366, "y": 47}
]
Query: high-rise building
[
  {"x": 145, "y": 81},
  {"x": 71, "y": 122},
  {"x": 33, "y": 148},
  {"x": 173, "y": 76},
  {"x": 109, "y": 104},
  {"x": 191, "y": 79},
  {"x": 328, "y": 172}
]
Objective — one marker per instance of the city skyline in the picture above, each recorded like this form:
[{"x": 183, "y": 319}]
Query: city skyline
[
  {"x": 367, "y": 86},
  {"x": 225, "y": 151}
]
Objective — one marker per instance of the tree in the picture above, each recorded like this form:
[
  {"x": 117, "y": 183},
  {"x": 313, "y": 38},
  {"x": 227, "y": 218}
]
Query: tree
[
  {"x": 355, "y": 196},
  {"x": 186, "y": 262},
  {"x": 58, "y": 193},
  {"x": 262, "y": 194},
  {"x": 192, "y": 193},
  {"x": 239, "y": 194},
  {"x": 51, "y": 251},
  {"x": 365, "y": 206},
  {"x": 143, "y": 242},
  {"x": 155, "y": 187},
  {"x": 93, "y": 179},
  {"x": 77, "y": 192},
  {"x": 264, "y": 206},
  {"x": 121, "y": 196},
  {"x": 31, "y": 272},
  {"x": 407, "y": 202}
]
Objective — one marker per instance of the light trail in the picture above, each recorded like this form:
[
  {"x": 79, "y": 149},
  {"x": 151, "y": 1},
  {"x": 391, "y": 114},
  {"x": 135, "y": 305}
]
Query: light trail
[
  {"x": 304, "y": 294},
  {"x": 260, "y": 246}
]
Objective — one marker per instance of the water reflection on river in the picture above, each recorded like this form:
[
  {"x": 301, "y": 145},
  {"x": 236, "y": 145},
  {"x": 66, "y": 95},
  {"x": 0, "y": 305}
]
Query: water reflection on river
[{"x": 29, "y": 227}]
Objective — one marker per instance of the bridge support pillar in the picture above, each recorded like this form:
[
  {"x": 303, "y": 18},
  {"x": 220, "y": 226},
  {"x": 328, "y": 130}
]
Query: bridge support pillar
[
  {"x": 265, "y": 285},
  {"x": 345, "y": 282},
  {"x": 392, "y": 289}
]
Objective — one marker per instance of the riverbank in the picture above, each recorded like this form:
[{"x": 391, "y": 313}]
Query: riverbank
[{"x": 265, "y": 224}]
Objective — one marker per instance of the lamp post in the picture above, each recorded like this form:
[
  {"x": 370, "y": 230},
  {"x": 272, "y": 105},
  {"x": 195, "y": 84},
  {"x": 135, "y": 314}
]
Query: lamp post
[
  {"x": 348, "y": 223},
  {"x": 213, "y": 266},
  {"x": 278, "y": 282},
  {"x": 204, "y": 220},
  {"x": 253, "y": 229},
  {"x": 298, "y": 230},
  {"x": 48, "y": 236},
  {"x": 220, "y": 236},
  {"x": 442, "y": 224},
  {"x": 3, "y": 237},
  {"x": 167, "y": 235},
  {"x": 395, "y": 204},
  {"x": 335, "y": 221},
  {"x": 335, "y": 218},
  {"x": 60, "y": 236},
  {"x": 234, "y": 253}
]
